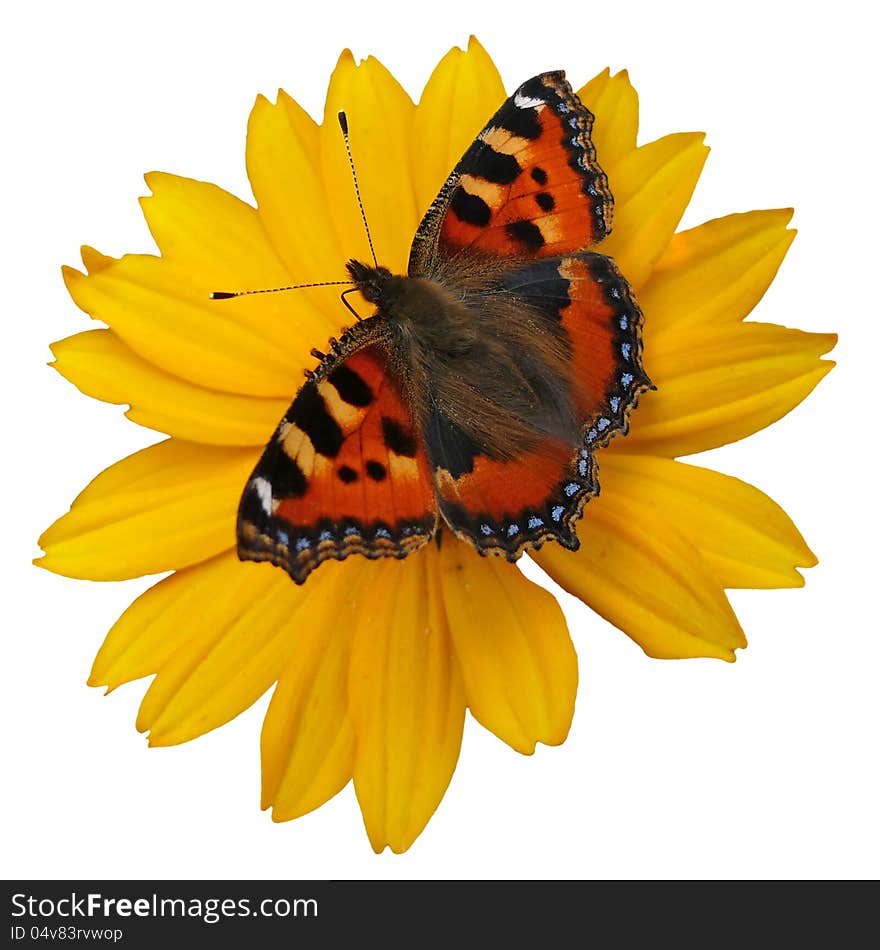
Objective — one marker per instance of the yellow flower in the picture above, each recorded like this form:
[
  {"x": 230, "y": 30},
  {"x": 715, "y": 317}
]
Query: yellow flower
[{"x": 376, "y": 662}]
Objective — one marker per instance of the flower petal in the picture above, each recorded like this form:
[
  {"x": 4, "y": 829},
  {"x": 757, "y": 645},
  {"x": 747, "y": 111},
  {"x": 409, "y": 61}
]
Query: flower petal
[
  {"x": 308, "y": 743},
  {"x": 93, "y": 260},
  {"x": 723, "y": 384},
  {"x": 641, "y": 574},
  {"x": 284, "y": 169},
  {"x": 517, "y": 659},
  {"x": 165, "y": 507},
  {"x": 100, "y": 365},
  {"x": 220, "y": 242},
  {"x": 615, "y": 106},
  {"x": 192, "y": 604},
  {"x": 380, "y": 116},
  {"x": 243, "y": 626},
  {"x": 463, "y": 92},
  {"x": 158, "y": 312},
  {"x": 746, "y": 539},
  {"x": 716, "y": 272},
  {"x": 652, "y": 187},
  {"x": 206, "y": 230},
  {"x": 406, "y": 699}
]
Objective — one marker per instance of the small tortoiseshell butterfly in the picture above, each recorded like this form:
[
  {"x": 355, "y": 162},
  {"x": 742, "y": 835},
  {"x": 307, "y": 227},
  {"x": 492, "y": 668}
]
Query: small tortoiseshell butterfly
[{"x": 478, "y": 392}]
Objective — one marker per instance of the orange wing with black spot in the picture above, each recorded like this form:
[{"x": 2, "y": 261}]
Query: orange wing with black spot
[
  {"x": 509, "y": 505},
  {"x": 529, "y": 186},
  {"x": 345, "y": 472}
]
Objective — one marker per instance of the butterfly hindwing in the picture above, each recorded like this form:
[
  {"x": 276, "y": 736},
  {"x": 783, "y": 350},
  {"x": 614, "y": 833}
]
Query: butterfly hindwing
[
  {"x": 529, "y": 186},
  {"x": 509, "y": 505},
  {"x": 345, "y": 472},
  {"x": 593, "y": 303}
]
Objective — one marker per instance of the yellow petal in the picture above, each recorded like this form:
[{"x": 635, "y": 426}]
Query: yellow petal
[
  {"x": 168, "y": 320},
  {"x": 95, "y": 261},
  {"x": 652, "y": 187},
  {"x": 463, "y": 93},
  {"x": 283, "y": 164},
  {"x": 380, "y": 116},
  {"x": 192, "y": 604},
  {"x": 217, "y": 242},
  {"x": 746, "y": 539},
  {"x": 406, "y": 699},
  {"x": 207, "y": 230},
  {"x": 163, "y": 508},
  {"x": 242, "y": 629},
  {"x": 517, "y": 659},
  {"x": 308, "y": 742},
  {"x": 641, "y": 574},
  {"x": 716, "y": 272},
  {"x": 99, "y": 364},
  {"x": 615, "y": 106},
  {"x": 722, "y": 384}
]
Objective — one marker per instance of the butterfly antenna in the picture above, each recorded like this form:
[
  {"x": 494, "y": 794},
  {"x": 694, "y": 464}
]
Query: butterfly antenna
[
  {"x": 343, "y": 124},
  {"x": 227, "y": 294}
]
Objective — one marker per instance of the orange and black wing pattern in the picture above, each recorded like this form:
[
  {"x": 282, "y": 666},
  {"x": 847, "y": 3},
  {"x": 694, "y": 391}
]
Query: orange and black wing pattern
[
  {"x": 507, "y": 506},
  {"x": 529, "y": 186},
  {"x": 345, "y": 472}
]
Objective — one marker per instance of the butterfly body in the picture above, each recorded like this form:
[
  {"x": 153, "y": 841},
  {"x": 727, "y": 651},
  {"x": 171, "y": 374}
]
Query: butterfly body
[
  {"x": 465, "y": 353},
  {"x": 477, "y": 394}
]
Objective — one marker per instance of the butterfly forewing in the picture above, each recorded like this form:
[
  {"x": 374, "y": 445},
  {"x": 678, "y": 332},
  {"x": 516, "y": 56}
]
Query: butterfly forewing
[
  {"x": 529, "y": 185},
  {"x": 345, "y": 472}
]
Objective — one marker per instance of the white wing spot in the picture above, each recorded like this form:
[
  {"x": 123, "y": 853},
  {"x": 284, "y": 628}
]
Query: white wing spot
[
  {"x": 526, "y": 102},
  {"x": 264, "y": 492}
]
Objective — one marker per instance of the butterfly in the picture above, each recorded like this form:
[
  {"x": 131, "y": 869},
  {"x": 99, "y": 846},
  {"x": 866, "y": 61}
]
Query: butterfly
[{"x": 476, "y": 396}]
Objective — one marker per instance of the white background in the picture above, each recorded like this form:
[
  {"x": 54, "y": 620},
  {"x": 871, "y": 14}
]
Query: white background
[{"x": 695, "y": 769}]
